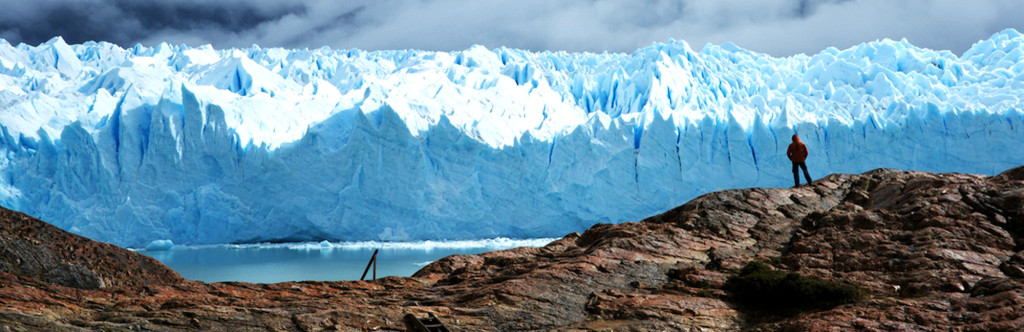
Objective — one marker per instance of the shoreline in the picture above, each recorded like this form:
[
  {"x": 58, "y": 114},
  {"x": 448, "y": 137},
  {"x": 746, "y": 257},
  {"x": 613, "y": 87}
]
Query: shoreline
[{"x": 497, "y": 242}]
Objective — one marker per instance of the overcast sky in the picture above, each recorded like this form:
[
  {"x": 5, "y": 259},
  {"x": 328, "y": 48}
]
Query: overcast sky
[{"x": 777, "y": 27}]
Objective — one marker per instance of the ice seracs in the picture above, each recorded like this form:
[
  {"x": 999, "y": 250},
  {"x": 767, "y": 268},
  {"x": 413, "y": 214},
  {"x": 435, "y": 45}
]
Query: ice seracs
[{"x": 199, "y": 145}]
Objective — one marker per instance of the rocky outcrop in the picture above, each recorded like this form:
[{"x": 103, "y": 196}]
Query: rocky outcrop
[
  {"x": 932, "y": 251},
  {"x": 32, "y": 248}
]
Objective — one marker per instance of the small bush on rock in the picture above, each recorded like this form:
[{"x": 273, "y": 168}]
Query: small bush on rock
[{"x": 760, "y": 287}]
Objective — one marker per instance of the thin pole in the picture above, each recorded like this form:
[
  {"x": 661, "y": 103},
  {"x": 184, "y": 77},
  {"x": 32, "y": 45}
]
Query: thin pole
[{"x": 372, "y": 260}]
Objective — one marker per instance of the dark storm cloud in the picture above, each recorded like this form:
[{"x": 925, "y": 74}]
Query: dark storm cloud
[
  {"x": 180, "y": 15},
  {"x": 778, "y": 27},
  {"x": 126, "y": 22}
]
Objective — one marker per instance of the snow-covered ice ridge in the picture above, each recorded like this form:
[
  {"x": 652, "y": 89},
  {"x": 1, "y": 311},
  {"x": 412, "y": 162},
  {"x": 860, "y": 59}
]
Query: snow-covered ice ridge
[{"x": 201, "y": 146}]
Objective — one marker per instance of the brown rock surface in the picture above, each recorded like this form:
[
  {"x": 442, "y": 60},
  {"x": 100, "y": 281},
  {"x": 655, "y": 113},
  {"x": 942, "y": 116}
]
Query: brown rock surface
[
  {"x": 32, "y": 248},
  {"x": 934, "y": 251}
]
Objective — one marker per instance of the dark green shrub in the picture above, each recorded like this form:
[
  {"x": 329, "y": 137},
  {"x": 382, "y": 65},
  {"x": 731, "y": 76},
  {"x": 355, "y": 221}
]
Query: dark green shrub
[
  {"x": 700, "y": 283},
  {"x": 758, "y": 286}
]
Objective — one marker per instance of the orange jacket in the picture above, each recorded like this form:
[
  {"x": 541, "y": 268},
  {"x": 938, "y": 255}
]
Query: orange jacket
[{"x": 797, "y": 151}]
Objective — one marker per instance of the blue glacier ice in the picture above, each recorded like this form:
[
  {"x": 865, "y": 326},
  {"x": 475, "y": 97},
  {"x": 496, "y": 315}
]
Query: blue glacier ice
[
  {"x": 160, "y": 245},
  {"x": 197, "y": 145}
]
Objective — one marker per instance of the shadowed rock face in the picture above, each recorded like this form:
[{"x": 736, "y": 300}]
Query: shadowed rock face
[
  {"x": 28, "y": 259},
  {"x": 934, "y": 251},
  {"x": 32, "y": 248}
]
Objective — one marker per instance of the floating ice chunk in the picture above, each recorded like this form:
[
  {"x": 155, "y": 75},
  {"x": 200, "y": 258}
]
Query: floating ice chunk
[
  {"x": 160, "y": 245},
  {"x": 492, "y": 244}
]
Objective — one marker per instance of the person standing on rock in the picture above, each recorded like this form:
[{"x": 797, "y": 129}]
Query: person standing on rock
[{"x": 797, "y": 153}]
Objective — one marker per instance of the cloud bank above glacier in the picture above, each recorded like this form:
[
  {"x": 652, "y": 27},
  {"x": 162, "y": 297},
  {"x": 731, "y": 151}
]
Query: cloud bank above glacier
[{"x": 777, "y": 27}]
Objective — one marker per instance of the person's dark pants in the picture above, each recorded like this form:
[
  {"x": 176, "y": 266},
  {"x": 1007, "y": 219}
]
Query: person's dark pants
[{"x": 796, "y": 175}]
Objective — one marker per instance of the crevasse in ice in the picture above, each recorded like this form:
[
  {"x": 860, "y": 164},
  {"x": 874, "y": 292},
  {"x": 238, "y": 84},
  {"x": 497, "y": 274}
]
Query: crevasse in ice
[{"x": 200, "y": 146}]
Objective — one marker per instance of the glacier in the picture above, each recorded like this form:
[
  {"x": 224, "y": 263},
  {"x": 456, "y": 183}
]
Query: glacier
[{"x": 198, "y": 145}]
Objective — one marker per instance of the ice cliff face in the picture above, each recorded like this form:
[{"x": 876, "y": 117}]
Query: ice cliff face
[{"x": 199, "y": 145}]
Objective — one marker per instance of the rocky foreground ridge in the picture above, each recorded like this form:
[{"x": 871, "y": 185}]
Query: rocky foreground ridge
[{"x": 931, "y": 251}]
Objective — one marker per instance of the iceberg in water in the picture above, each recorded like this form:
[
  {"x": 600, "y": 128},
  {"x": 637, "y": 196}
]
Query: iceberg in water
[
  {"x": 160, "y": 245},
  {"x": 202, "y": 146}
]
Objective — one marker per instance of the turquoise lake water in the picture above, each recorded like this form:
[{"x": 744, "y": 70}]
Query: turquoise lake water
[{"x": 269, "y": 263}]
